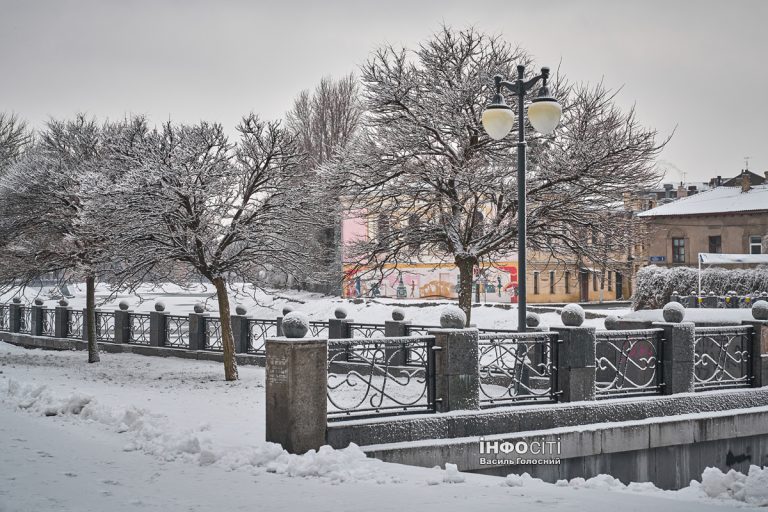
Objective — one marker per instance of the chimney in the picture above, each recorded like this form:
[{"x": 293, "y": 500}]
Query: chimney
[
  {"x": 745, "y": 185},
  {"x": 681, "y": 190},
  {"x": 719, "y": 181},
  {"x": 668, "y": 190}
]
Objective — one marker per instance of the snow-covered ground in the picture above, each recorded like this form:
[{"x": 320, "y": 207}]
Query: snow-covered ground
[
  {"x": 143, "y": 433},
  {"x": 270, "y": 303}
]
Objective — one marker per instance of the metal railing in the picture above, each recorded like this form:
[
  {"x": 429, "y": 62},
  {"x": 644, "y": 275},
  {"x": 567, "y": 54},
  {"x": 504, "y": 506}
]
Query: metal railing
[
  {"x": 722, "y": 357},
  {"x": 213, "y": 339},
  {"x": 517, "y": 368},
  {"x": 628, "y": 362},
  {"x": 364, "y": 330},
  {"x": 105, "y": 326},
  {"x": 258, "y": 332},
  {"x": 75, "y": 324},
  {"x": 376, "y": 381},
  {"x": 5, "y": 317},
  {"x": 25, "y": 320},
  {"x": 318, "y": 329},
  {"x": 49, "y": 322},
  {"x": 177, "y": 331},
  {"x": 138, "y": 328}
]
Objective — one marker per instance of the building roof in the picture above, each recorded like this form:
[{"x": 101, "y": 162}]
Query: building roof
[{"x": 717, "y": 200}]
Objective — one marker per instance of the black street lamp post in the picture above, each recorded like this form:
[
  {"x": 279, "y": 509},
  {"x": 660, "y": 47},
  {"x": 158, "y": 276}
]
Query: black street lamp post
[{"x": 544, "y": 113}]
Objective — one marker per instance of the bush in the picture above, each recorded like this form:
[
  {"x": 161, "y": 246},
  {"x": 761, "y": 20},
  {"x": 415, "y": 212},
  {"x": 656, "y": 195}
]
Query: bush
[{"x": 654, "y": 285}]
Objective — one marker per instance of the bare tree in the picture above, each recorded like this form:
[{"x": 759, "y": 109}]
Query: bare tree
[
  {"x": 426, "y": 174},
  {"x": 45, "y": 225},
  {"x": 15, "y": 137},
  {"x": 324, "y": 121},
  {"x": 193, "y": 204}
]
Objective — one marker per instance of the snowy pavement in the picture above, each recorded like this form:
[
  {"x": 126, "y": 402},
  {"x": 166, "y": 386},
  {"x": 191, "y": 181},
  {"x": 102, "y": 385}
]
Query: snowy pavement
[{"x": 143, "y": 433}]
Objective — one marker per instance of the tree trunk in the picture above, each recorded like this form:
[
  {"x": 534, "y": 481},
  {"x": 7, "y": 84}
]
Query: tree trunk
[
  {"x": 227, "y": 340},
  {"x": 90, "y": 313},
  {"x": 466, "y": 267}
]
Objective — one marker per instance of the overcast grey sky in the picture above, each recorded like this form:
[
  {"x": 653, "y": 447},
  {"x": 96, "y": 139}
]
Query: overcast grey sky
[{"x": 700, "y": 66}]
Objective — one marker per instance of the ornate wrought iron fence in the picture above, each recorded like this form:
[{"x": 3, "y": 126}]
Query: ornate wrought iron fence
[
  {"x": 376, "y": 383},
  {"x": 722, "y": 357},
  {"x": 177, "y": 331},
  {"x": 258, "y": 332},
  {"x": 25, "y": 322},
  {"x": 517, "y": 367},
  {"x": 318, "y": 329},
  {"x": 361, "y": 330},
  {"x": 49, "y": 322},
  {"x": 138, "y": 328},
  {"x": 5, "y": 317},
  {"x": 213, "y": 334},
  {"x": 75, "y": 324},
  {"x": 628, "y": 362},
  {"x": 105, "y": 326}
]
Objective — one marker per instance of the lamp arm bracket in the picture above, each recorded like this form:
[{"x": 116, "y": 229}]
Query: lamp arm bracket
[{"x": 514, "y": 87}]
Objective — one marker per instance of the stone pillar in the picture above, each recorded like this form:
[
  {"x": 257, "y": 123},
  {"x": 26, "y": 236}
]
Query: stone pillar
[
  {"x": 677, "y": 351},
  {"x": 396, "y": 356},
  {"x": 85, "y": 323},
  {"x": 61, "y": 317},
  {"x": 575, "y": 363},
  {"x": 157, "y": 328},
  {"x": 36, "y": 318},
  {"x": 338, "y": 328},
  {"x": 710, "y": 301},
  {"x": 296, "y": 389},
  {"x": 457, "y": 372},
  {"x": 197, "y": 332},
  {"x": 123, "y": 324},
  {"x": 240, "y": 332},
  {"x": 279, "y": 325},
  {"x": 14, "y": 315},
  {"x": 759, "y": 352}
]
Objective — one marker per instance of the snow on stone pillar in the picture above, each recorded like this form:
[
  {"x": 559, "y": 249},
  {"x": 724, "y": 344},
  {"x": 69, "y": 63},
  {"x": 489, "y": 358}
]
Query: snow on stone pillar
[
  {"x": 197, "y": 332},
  {"x": 575, "y": 357},
  {"x": 61, "y": 319},
  {"x": 339, "y": 328},
  {"x": 14, "y": 315},
  {"x": 296, "y": 387},
  {"x": 36, "y": 318},
  {"x": 157, "y": 327},
  {"x": 122, "y": 323},
  {"x": 677, "y": 363},
  {"x": 457, "y": 372},
  {"x": 759, "y": 343},
  {"x": 396, "y": 328},
  {"x": 240, "y": 329}
]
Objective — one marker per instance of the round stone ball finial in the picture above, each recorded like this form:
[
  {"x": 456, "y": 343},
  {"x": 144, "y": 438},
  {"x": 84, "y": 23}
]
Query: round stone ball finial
[
  {"x": 398, "y": 314},
  {"x": 340, "y": 313},
  {"x": 572, "y": 315},
  {"x": 63, "y": 303},
  {"x": 241, "y": 310},
  {"x": 123, "y": 305},
  {"x": 287, "y": 309},
  {"x": 673, "y": 312},
  {"x": 16, "y": 300},
  {"x": 160, "y": 306},
  {"x": 199, "y": 308},
  {"x": 532, "y": 319},
  {"x": 611, "y": 323},
  {"x": 295, "y": 325},
  {"x": 38, "y": 302},
  {"x": 760, "y": 310},
  {"x": 453, "y": 317}
]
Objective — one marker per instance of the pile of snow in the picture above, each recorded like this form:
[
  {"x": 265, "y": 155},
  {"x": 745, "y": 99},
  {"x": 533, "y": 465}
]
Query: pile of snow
[{"x": 155, "y": 435}]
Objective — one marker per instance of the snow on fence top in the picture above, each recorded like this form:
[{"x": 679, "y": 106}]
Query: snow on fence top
[{"x": 717, "y": 200}]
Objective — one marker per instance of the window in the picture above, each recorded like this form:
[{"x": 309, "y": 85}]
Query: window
[
  {"x": 551, "y": 282},
  {"x": 594, "y": 281},
  {"x": 610, "y": 280},
  {"x": 567, "y": 282},
  {"x": 535, "y": 283},
  {"x": 716, "y": 244},
  {"x": 755, "y": 245},
  {"x": 678, "y": 250}
]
